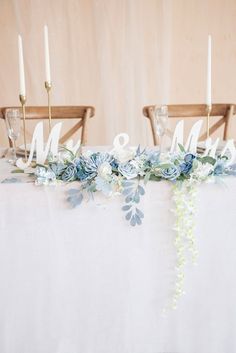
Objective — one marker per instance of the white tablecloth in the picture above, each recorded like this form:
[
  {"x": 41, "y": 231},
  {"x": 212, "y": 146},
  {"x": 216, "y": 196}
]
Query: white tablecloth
[{"x": 84, "y": 281}]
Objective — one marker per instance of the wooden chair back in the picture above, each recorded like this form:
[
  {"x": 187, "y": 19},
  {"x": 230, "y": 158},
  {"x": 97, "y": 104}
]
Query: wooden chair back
[
  {"x": 79, "y": 113},
  {"x": 224, "y": 111}
]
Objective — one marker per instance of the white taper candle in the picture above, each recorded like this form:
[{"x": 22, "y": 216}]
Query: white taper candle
[
  {"x": 46, "y": 54},
  {"x": 208, "y": 96},
  {"x": 21, "y": 67}
]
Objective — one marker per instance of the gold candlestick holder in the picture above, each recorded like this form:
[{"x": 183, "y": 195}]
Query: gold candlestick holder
[
  {"x": 48, "y": 87},
  {"x": 208, "y": 109},
  {"x": 23, "y": 101}
]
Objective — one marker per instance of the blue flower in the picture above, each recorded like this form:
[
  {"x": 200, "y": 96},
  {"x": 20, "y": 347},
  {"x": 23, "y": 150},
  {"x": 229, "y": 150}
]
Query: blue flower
[
  {"x": 114, "y": 165},
  {"x": 170, "y": 173},
  {"x": 186, "y": 167},
  {"x": 189, "y": 157},
  {"x": 128, "y": 170},
  {"x": 81, "y": 173},
  {"x": 153, "y": 158},
  {"x": 231, "y": 170},
  {"x": 70, "y": 173}
]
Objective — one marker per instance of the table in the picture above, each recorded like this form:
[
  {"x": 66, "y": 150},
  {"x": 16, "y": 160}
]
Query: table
[{"x": 84, "y": 281}]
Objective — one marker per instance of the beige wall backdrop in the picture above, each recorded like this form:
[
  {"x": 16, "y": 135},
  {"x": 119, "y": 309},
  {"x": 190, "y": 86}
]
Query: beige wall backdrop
[{"x": 118, "y": 55}]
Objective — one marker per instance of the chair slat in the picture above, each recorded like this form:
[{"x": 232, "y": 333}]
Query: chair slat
[
  {"x": 226, "y": 111},
  {"x": 61, "y": 113}
]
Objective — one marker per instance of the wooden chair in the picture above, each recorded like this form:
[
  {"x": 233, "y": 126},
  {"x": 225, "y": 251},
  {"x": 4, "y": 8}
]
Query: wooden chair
[
  {"x": 80, "y": 113},
  {"x": 224, "y": 111}
]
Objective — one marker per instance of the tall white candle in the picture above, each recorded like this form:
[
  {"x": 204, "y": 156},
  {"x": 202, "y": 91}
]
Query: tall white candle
[
  {"x": 21, "y": 67},
  {"x": 208, "y": 96},
  {"x": 46, "y": 54}
]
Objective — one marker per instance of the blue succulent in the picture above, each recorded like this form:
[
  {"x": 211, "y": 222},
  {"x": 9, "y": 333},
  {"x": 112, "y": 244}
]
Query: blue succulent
[
  {"x": 57, "y": 168},
  {"x": 69, "y": 173},
  {"x": 170, "y": 173},
  {"x": 87, "y": 167}
]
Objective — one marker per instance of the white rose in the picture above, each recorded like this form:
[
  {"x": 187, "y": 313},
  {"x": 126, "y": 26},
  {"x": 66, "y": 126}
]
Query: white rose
[
  {"x": 123, "y": 155},
  {"x": 104, "y": 170}
]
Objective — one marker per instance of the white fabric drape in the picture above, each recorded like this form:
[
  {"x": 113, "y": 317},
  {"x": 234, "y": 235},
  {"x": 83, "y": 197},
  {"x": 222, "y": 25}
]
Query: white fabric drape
[
  {"x": 84, "y": 281},
  {"x": 118, "y": 55}
]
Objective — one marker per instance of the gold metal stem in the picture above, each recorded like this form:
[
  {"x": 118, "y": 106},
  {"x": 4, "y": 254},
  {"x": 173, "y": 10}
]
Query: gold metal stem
[
  {"x": 23, "y": 101},
  {"x": 209, "y": 107},
  {"x": 48, "y": 87}
]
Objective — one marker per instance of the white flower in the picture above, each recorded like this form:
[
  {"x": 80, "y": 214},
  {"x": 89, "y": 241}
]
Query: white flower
[
  {"x": 104, "y": 170},
  {"x": 139, "y": 163},
  {"x": 123, "y": 155},
  {"x": 44, "y": 176},
  {"x": 202, "y": 171}
]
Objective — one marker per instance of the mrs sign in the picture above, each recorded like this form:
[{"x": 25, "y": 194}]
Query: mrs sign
[{"x": 51, "y": 146}]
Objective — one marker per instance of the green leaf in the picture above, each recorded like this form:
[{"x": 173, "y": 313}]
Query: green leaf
[
  {"x": 181, "y": 147},
  {"x": 155, "y": 177},
  {"x": 66, "y": 149},
  {"x": 15, "y": 171},
  {"x": 146, "y": 178},
  {"x": 208, "y": 159},
  {"x": 165, "y": 165}
]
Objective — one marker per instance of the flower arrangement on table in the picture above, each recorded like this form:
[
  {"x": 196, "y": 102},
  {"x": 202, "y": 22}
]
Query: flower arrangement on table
[
  {"x": 114, "y": 174},
  {"x": 127, "y": 174}
]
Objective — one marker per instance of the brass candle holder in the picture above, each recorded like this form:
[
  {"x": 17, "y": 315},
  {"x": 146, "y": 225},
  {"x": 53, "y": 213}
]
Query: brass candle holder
[
  {"x": 23, "y": 101},
  {"x": 48, "y": 87},
  {"x": 208, "y": 109}
]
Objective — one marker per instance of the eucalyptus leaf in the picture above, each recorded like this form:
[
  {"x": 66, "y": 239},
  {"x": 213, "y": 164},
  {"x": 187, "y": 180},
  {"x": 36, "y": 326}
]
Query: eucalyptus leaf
[
  {"x": 141, "y": 190},
  {"x": 126, "y": 207},
  {"x": 72, "y": 191},
  {"x": 136, "y": 198},
  {"x": 138, "y": 219},
  {"x": 75, "y": 200},
  {"x": 133, "y": 221},
  {"x": 139, "y": 213},
  {"x": 127, "y": 191},
  {"x": 127, "y": 183},
  {"x": 128, "y": 198},
  {"x": 128, "y": 215}
]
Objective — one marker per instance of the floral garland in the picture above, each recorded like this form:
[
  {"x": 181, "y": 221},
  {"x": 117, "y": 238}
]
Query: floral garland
[{"x": 126, "y": 172}]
